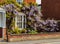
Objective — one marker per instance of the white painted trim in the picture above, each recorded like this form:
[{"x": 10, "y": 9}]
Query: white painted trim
[
  {"x": 22, "y": 22},
  {"x": 38, "y": 1},
  {"x": 4, "y": 23},
  {"x": 15, "y": 21},
  {"x": 25, "y": 21}
]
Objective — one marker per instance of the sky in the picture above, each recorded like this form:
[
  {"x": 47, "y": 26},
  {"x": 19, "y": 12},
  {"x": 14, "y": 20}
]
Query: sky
[{"x": 38, "y": 1}]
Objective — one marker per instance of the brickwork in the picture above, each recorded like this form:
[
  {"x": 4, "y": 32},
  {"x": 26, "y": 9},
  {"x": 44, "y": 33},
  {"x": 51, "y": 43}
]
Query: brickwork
[
  {"x": 4, "y": 33},
  {"x": 24, "y": 37},
  {"x": 1, "y": 1},
  {"x": 29, "y": 1},
  {"x": 51, "y": 9}
]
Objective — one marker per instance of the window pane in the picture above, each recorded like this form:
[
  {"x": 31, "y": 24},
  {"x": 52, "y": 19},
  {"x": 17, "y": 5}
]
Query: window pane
[
  {"x": 24, "y": 18},
  {"x": 21, "y": 21},
  {"x": 24, "y": 22},
  {"x": 24, "y": 25},
  {"x": 19, "y": 24},
  {"x": 19, "y": 18},
  {"x": 19, "y": 1}
]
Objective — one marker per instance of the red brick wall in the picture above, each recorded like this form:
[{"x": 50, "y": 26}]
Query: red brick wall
[
  {"x": 28, "y": 1},
  {"x": 51, "y": 8},
  {"x": 2, "y": 1},
  {"x": 23, "y": 37},
  {"x": 4, "y": 33}
]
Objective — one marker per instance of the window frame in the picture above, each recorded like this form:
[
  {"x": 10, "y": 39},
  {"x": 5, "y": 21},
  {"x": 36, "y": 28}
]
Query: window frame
[{"x": 21, "y": 21}]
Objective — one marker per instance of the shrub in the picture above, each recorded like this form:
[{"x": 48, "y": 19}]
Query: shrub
[
  {"x": 16, "y": 31},
  {"x": 33, "y": 32},
  {"x": 23, "y": 31}
]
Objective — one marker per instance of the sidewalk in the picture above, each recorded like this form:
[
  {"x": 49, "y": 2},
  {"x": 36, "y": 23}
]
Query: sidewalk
[{"x": 44, "y": 41}]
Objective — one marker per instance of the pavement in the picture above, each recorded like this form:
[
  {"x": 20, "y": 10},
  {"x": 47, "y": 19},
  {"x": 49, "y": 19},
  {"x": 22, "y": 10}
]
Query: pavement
[{"x": 44, "y": 41}]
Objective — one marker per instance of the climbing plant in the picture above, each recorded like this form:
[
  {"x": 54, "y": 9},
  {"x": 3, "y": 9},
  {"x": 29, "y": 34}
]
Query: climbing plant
[{"x": 11, "y": 10}]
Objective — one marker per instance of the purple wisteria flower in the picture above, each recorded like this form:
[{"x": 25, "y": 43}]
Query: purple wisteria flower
[
  {"x": 37, "y": 18},
  {"x": 15, "y": 12},
  {"x": 12, "y": 6},
  {"x": 30, "y": 13}
]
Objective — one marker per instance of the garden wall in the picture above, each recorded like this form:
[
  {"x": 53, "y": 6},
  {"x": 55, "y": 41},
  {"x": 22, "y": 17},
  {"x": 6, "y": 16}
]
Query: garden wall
[{"x": 24, "y": 37}]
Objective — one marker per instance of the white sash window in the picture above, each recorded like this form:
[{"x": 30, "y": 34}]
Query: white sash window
[{"x": 21, "y": 21}]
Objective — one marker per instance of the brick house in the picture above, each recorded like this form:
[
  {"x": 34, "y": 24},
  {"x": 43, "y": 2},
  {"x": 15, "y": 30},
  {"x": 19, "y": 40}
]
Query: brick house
[{"x": 21, "y": 17}]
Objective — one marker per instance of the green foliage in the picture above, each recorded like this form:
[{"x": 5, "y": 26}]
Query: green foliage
[
  {"x": 17, "y": 4},
  {"x": 23, "y": 31},
  {"x": 9, "y": 1},
  {"x": 16, "y": 31},
  {"x": 33, "y": 32},
  {"x": 8, "y": 15}
]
